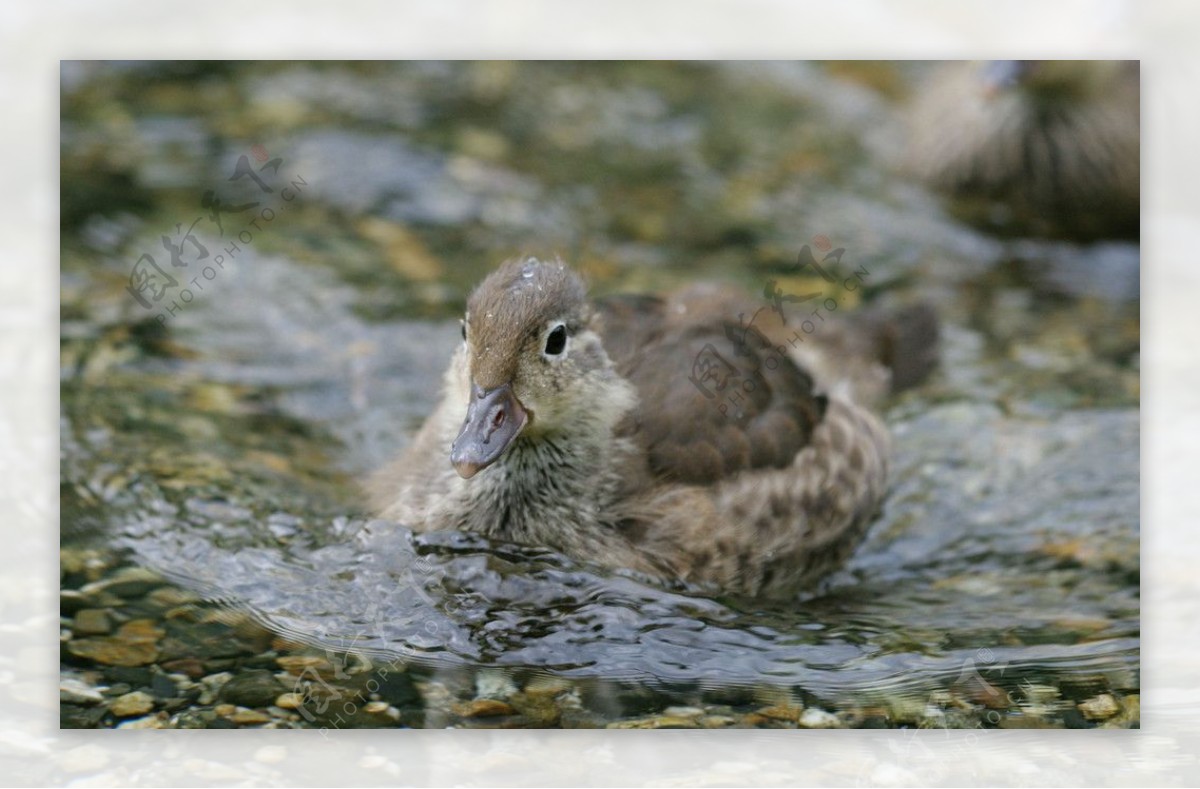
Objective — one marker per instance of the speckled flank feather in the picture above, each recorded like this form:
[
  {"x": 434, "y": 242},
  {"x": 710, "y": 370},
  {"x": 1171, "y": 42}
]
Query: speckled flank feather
[{"x": 625, "y": 463}]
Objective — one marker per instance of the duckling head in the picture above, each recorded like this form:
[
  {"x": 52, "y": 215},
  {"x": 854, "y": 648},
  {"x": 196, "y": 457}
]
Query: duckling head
[{"x": 536, "y": 369}]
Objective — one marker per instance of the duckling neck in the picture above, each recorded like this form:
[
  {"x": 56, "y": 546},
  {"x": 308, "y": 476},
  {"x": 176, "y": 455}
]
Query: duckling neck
[
  {"x": 557, "y": 486},
  {"x": 550, "y": 489}
]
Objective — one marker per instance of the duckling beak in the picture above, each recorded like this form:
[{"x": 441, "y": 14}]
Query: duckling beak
[{"x": 494, "y": 418}]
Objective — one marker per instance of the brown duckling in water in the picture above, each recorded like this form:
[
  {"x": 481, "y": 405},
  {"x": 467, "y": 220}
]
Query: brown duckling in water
[
  {"x": 1046, "y": 148},
  {"x": 638, "y": 432}
]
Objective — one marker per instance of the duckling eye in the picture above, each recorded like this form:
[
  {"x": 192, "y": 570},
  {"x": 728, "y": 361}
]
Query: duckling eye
[
  {"x": 463, "y": 324},
  {"x": 556, "y": 341}
]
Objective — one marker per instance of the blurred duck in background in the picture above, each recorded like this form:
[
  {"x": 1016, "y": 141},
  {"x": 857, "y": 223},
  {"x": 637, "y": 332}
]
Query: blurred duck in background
[{"x": 1041, "y": 148}]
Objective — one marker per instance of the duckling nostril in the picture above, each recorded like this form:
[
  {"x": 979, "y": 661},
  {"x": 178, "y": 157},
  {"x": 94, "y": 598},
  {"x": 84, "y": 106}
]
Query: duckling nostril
[{"x": 498, "y": 418}]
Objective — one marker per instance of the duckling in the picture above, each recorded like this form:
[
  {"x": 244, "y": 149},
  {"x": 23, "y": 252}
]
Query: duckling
[
  {"x": 1045, "y": 148},
  {"x": 663, "y": 435}
]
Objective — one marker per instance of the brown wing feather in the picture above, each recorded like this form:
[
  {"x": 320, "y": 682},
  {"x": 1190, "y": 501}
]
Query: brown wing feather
[{"x": 757, "y": 412}]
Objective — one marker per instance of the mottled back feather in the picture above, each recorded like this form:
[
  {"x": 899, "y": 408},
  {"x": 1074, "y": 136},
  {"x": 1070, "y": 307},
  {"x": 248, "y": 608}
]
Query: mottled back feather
[{"x": 747, "y": 406}]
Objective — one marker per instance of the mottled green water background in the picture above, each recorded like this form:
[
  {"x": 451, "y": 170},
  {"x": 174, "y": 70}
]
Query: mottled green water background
[{"x": 219, "y": 443}]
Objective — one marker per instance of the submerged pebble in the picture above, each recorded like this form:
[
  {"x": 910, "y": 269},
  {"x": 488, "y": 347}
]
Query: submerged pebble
[
  {"x": 91, "y": 622},
  {"x": 813, "y": 718},
  {"x": 74, "y": 691},
  {"x": 483, "y": 708},
  {"x": 130, "y": 704},
  {"x": 1101, "y": 707}
]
